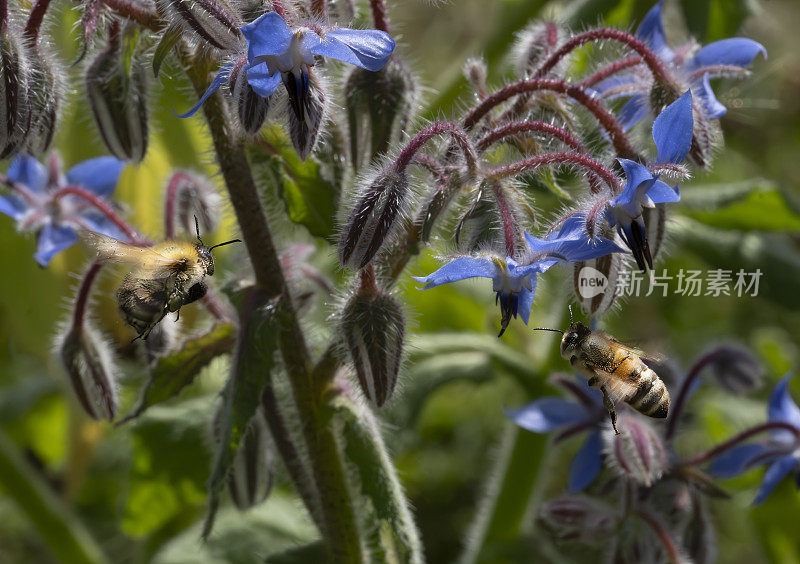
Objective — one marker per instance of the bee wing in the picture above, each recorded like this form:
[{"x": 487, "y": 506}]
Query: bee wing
[
  {"x": 112, "y": 251},
  {"x": 618, "y": 387},
  {"x": 655, "y": 357}
]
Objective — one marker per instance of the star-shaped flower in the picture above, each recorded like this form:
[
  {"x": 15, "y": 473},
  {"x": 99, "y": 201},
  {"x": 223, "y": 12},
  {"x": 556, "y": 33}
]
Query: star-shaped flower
[
  {"x": 672, "y": 133},
  {"x": 727, "y": 57},
  {"x": 39, "y": 204},
  {"x": 781, "y": 452},
  {"x": 276, "y": 52},
  {"x": 514, "y": 283}
]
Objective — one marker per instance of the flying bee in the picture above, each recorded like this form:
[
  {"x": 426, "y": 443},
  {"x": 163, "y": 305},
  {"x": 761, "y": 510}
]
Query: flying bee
[
  {"x": 617, "y": 370},
  {"x": 163, "y": 278}
]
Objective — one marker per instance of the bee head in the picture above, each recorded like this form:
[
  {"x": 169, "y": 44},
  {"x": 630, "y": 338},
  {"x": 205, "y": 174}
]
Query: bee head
[
  {"x": 572, "y": 339},
  {"x": 204, "y": 251}
]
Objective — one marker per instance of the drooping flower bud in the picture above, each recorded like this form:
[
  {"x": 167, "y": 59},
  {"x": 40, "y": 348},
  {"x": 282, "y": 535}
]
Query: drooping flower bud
[
  {"x": 251, "y": 474},
  {"x": 306, "y": 112},
  {"x": 89, "y": 363},
  {"x": 734, "y": 367},
  {"x": 212, "y": 21},
  {"x": 373, "y": 325},
  {"x": 45, "y": 88},
  {"x": 379, "y": 105},
  {"x": 15, "y": 110},
  {"x": 637, "y": 453},
  {"x": 595, "y": 283},
  {"x": 534, "y": 44},
  {"x": 188, "y": 196},
  {"x": 251, "y": 108},
  {"x": 475, "y": 72},
  {"x": 576, "y": 517},
  {"x": 372, "y": 218},
  {"x": 116, "y": 84}
]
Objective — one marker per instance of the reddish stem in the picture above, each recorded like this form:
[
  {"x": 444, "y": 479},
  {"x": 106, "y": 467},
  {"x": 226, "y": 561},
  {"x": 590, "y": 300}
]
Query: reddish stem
[
  {"x": 686, "y": 387},
  {"x": 279, "y": 8},
  {"x": 82, "y": 299},
  {"x": 653, "y": 62},
  {"x": 604, "y": 117},
  {"x": 533, "y": 163},
  {"x": 662, "y": 534},
  {"x": 140, "y": 13},
  {"x": 379, "y": 16},
  {"x": 438, "y": 128},
  {"x": 611, "y": 69},
  {"x": 739, "y": 438},
  {"x": 34, "y": 23},
  {"x": 516, "y": 127},
  {"x": 507, "y": 217},
  {"x": 102, "y": 206}
]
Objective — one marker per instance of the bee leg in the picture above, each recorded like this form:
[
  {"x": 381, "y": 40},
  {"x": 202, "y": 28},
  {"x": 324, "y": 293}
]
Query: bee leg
[
  {"x": 592, "y": 382},
  {"x": 609, "y": 405}
]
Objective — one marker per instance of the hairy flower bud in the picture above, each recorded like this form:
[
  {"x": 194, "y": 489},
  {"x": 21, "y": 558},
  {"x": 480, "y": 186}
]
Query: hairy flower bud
[
  {"x": 251, "y": 108},
  {"x": 15, "y": 111},
  {"x": 595, "y": 282},
  {"x": 576, "y": 517},
  {"x": 45, "y": 87},
  {"x": 191, "y": 196},
  {"x": 475, "y": 72},
  {"x": 88, "y": 361},
  {"x": 534, "y": 44},
  {"x": 734, "y": 368},
  {"x": 251, "y": 475},
  {"x": 305, "y": 117},
  {"x": 373, "y": 325},
  {"x": 213, "y": 21},
  {"x": 116, "y": 84},
  {"x": 372, "y": 218},
  {"x": 379, "y": 105},
  {"x": 637, "y": 453}
]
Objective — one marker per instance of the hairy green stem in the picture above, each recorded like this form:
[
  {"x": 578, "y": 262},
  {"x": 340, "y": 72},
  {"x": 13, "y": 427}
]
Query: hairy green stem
[{"x": 340, "y": 524}]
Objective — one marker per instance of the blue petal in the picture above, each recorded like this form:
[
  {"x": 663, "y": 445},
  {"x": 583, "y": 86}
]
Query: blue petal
[
  {"x": 571, "y": 243},
  {"x": 459, "y": 269},
  {"x": 587, "y": 463},
  {"x": 28, "y": 171},
  {"x": 52, "y": 240},
  {"x": 635, "y": 175},
  {"x": 369, "y": 48},
  {"x": 711, "y": 106},
  {"x": 662, "y": 193},
  {"x": 98, "y": 175},
  {"x": 633, "y": 111},
  {"x": 262, "y": 83},
  {"x": 672, "y": 130},
  {"x": 219, "y": 80},
  {"x": 773, "y": 476},
  {"x": 526, "y": 301},
  {"x": 736, "y": 51},
  {"x": 783, "y": 408},
  {"x": 267, "y": 35},
  {"x": 547, "y": 414},
  {"x": 651, "y": 31},
  {"x": 12, "y": 206},
  {"x": 736, "y": 460},
  {"x": 622, "y": 84}
]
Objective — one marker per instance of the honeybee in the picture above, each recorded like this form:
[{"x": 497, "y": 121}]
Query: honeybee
[
  {"x": 617, "y": 370},
  {"x": 163, "y": 278}
]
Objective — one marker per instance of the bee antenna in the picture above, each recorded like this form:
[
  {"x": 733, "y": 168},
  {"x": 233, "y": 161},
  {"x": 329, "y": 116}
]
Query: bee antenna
[
  {"x": 197, "y": 229},
  {"x": 547, "y": 329},
  {"x": 225, "y": 243},
  {"x": 571, "y": 323}
]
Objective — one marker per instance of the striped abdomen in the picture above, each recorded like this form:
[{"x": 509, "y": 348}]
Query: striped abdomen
[{"x": 649, "y": 395}]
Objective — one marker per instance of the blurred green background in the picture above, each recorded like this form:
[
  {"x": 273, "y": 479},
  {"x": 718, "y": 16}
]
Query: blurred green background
[{"x": 139, "y": 491}]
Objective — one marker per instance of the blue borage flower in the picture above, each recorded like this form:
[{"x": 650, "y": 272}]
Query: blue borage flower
[
  {"x": 515, "y": 283},
  {"x": 672, "y": 133},
  {"x": 725, "y": 57},
  {"x": 781, "y": 452},
  {"x": 276, "y": 53},
  {"x": 34, "y": 207},
  {"x": 586, "y": 415}
]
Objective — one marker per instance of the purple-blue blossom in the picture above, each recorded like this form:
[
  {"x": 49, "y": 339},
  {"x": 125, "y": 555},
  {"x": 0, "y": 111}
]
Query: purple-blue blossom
[
  {"x": 587, "y": 414},
  {"x": 727, "y": 57},
  {"x": 781, "y": 452},
  {"x": 35, "y": 203},
  {"x": 514, "y": 283},
  {"x": 276, "y": 52},
  {"x": 672, "y": 133}
]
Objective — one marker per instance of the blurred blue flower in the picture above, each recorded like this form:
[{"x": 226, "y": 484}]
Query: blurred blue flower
[
  {"x": 549, "y": 414},
  {"x": 36, "y": 204},
  {"x": 515, "y": 283},
  {"x": 726, "y": 57},
  {"x": 276, "y": 53},
  {"x": 781, "y": 452},
  {"x": 672, "y": 133}
]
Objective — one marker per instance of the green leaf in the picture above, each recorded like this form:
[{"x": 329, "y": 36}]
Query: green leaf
[
  {"x": 172, "y": 373},
  {"x": 760, "y": 210},
  {"x": 309, "y": 194},
  {"x": 165, "y": 45},
  {"x": 711, "y": 197},
  {"x": 250, "y": 372}
]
